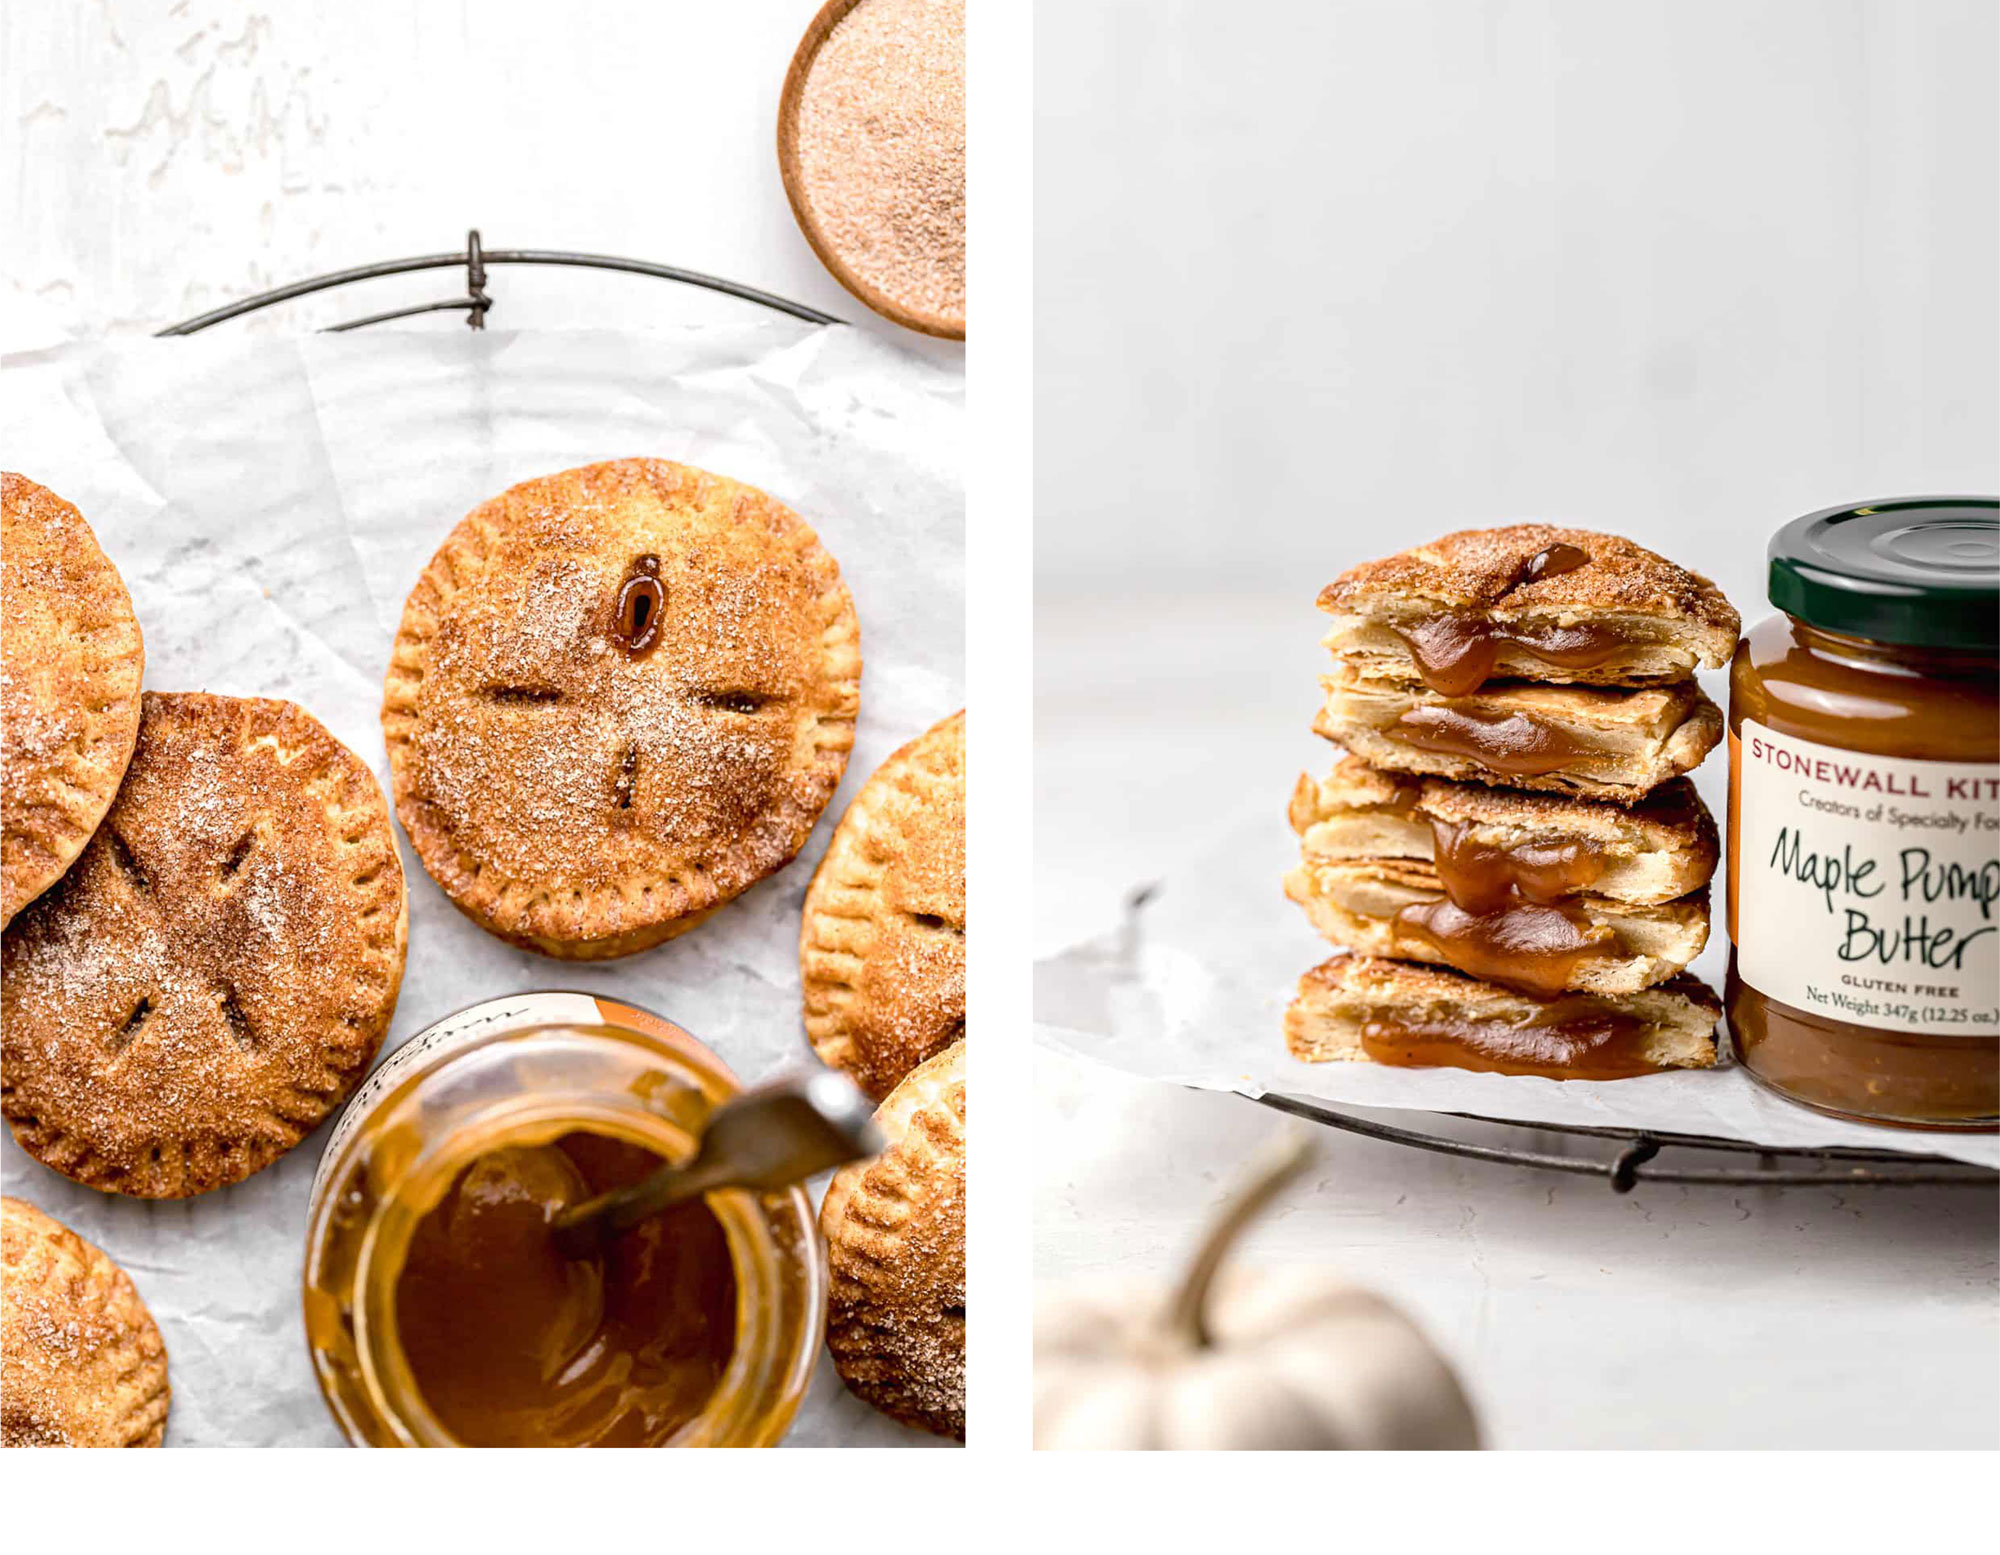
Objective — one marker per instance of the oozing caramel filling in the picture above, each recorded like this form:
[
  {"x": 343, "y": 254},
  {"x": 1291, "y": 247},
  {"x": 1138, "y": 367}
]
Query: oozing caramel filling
[
  {"x": 1455, "y": 654},
  {"x": 513, "y": 1345},
  {"x": 641, "y": 598},
  {"x": 1552, "y": 561},
  {"x": 1528, "y": 946},
  {"x": 1571, "y": 1038},
  {"x": 1518, "y": 744},
  {"x": 1482, "y": 878}
]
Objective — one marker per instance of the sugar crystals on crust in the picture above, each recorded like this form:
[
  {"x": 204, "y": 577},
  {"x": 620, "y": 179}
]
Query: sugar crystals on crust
[
  {"x": 895, "y": 1235},
  {"x": 620, "y": 696},
  {"x": 71, "y": 660},
  {"x": 215, "y": 973},
  {"x": 82, "y": 1363},
  {"x": 882, "y": 944}
]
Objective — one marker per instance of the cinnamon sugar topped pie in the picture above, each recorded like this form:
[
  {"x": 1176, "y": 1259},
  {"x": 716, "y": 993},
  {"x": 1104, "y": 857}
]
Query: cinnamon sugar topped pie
[
  {"x": 215, "y": 973},
  {"x": 895, "y": 1237},
  {"x": 882, "y": 945},
  {"x": 71, "y": 660},
  {"x": 82, "y": 1363},
  {"x": 620, "y": 696}
]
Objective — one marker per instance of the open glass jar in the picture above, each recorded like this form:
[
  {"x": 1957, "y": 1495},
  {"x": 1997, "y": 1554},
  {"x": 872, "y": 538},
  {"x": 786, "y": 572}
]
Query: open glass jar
[
  {"x": 1864, "y": 817},
  {"x": 431, "y": 1323}
]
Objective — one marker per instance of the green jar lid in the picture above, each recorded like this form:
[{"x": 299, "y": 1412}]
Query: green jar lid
[{"x": 1924, "y": 571}]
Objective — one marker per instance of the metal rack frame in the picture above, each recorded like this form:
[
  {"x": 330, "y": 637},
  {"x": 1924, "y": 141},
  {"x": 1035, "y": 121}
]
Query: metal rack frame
[
  {"x": 477, "y": 303},
  {"x": 1838, "y": 1167}
]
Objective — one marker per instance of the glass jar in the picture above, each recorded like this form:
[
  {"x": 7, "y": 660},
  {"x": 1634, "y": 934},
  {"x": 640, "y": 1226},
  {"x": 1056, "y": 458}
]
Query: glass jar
[
  {"x": 1864, "y": 817},
  {"x": 520, "y": 1074}
]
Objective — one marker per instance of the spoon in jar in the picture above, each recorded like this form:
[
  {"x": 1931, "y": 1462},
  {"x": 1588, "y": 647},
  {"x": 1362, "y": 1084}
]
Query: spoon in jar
[{"x": 763, "y": 1140}]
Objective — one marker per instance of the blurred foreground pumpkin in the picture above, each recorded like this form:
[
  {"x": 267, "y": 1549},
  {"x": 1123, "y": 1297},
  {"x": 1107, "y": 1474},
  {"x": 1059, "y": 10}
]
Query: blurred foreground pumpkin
[{"x": 1253, "y": 1359}]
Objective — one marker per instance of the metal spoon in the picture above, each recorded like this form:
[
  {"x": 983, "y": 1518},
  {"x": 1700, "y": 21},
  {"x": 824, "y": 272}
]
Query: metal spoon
[{"x": 765, "y": 1139}]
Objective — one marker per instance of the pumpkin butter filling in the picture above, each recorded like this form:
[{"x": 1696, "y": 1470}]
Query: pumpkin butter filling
[
  {"x": 1457, "y": 653},
  {"x": 1572, "y": 1038},
  {"x": 512, "y": 1344}
]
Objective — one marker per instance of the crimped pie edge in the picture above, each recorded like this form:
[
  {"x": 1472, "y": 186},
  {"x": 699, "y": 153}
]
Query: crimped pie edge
[
  {"x": 115, "y": 729},
  {"x": 470, "y": 885},
  {"x": 344, "y": 1052},
  {"x": 828, "y": 991},
  {"x": 142, "y": 1369}
]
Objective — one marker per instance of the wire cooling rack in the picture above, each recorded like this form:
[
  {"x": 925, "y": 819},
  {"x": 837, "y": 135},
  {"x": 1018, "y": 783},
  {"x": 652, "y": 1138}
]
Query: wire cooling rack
[
  {"x": 476, "y": 303},
  {"x": 1636, "y": 1157}
]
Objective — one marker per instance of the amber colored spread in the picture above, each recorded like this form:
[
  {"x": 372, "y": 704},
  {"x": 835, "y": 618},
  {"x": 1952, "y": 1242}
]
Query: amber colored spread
[
  {"x": 1572, "y": 1038},
  {"x": 513, "y": 1345},
  {"x": 1530, "y": 946},
  {"x": 1519, "y": 744},
  {"x": 1455, "y": 653},
  {"x": 1851, "y": 694},
  {"x": 1481, "y": 877}
]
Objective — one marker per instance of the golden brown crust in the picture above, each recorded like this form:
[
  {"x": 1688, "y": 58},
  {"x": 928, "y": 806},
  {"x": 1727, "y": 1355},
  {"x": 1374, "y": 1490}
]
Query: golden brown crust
[
  {"x": 1641, "y": 737},
  {"x": 895, "y": 1236},
  {"x": 1488, "y": 570},
  {"x": 214, "y": 975},
  {"x": 1336, "y": 998},
  {"x": 882, "y": 942},
  {"x": 580, "y": 799},
  {"x": 82, "y": 1363},
  {"x": 71, "y": 660},
  {"x": 1655, "y": 849},
  {"x": 1357, "y": 905}
]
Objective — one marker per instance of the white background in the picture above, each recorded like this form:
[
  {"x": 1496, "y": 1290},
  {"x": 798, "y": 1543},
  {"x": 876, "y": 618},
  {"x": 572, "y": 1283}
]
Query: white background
[{"x": 1317, "y": 282}]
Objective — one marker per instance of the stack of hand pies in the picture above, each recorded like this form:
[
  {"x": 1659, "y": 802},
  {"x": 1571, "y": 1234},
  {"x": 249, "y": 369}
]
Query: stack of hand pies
[{"x": 1510, "y": 848}]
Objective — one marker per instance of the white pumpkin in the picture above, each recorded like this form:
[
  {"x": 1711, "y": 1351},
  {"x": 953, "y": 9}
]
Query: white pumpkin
[{"x": 1256, "y": 1359}]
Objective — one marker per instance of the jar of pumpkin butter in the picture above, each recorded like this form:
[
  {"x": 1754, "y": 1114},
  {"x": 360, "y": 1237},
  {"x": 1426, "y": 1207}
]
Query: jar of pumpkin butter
[
  {"x": 440, "y": 1313},
  {"x": 1864, "y": 817}
]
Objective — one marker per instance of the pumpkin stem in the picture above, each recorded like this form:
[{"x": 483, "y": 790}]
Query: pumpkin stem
[{"x": 1281, "y": 1161}]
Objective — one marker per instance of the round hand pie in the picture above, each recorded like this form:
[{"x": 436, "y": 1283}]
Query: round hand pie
[
  {"x": 882, "y": 946},
  {"x": 895, "y": 1237},
  {"x": 81, "y": 1360},
  {"x": 620, "y": 696},
  {"x": 214, "y": 974},
  {"x": 69, "y": 687}
]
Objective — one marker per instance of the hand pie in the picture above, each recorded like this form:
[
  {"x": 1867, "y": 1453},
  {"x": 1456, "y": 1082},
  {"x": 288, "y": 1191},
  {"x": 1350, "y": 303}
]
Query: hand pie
[
  {"x": 71, "y": 660},
  {"x": 1598, "y": 742},
  {"x": 82, "y": 1363},
  {"x": 213, "y": 976},
  {"x": 882, "y": 942},
  {"x": 1543, "y": 846},
  {"x": 620, "y": 696},
  {"x": 1363, "y": 1008},
  {"x": 1527, "y": 602},
  {"x": 895, "y": 1239},
  {"x": 1542, "y": 893}
]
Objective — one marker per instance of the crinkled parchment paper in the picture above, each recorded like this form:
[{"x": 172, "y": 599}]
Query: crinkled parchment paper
[
  {"x": 271, "y": 503},
  {"x": 1193, "y": 985}
]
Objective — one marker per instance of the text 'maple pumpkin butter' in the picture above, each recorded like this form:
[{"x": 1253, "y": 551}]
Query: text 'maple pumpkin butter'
[{"x": 1864, "y": 817}]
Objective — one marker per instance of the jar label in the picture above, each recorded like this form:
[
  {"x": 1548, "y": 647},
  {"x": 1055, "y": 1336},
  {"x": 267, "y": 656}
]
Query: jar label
[{"x": 1863, "y": 888}]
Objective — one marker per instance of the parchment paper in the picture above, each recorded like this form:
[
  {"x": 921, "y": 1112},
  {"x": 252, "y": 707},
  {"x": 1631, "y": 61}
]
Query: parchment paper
[
  {"x": 1193, "y": 985},
  {"x": 270, "y": 504}
]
